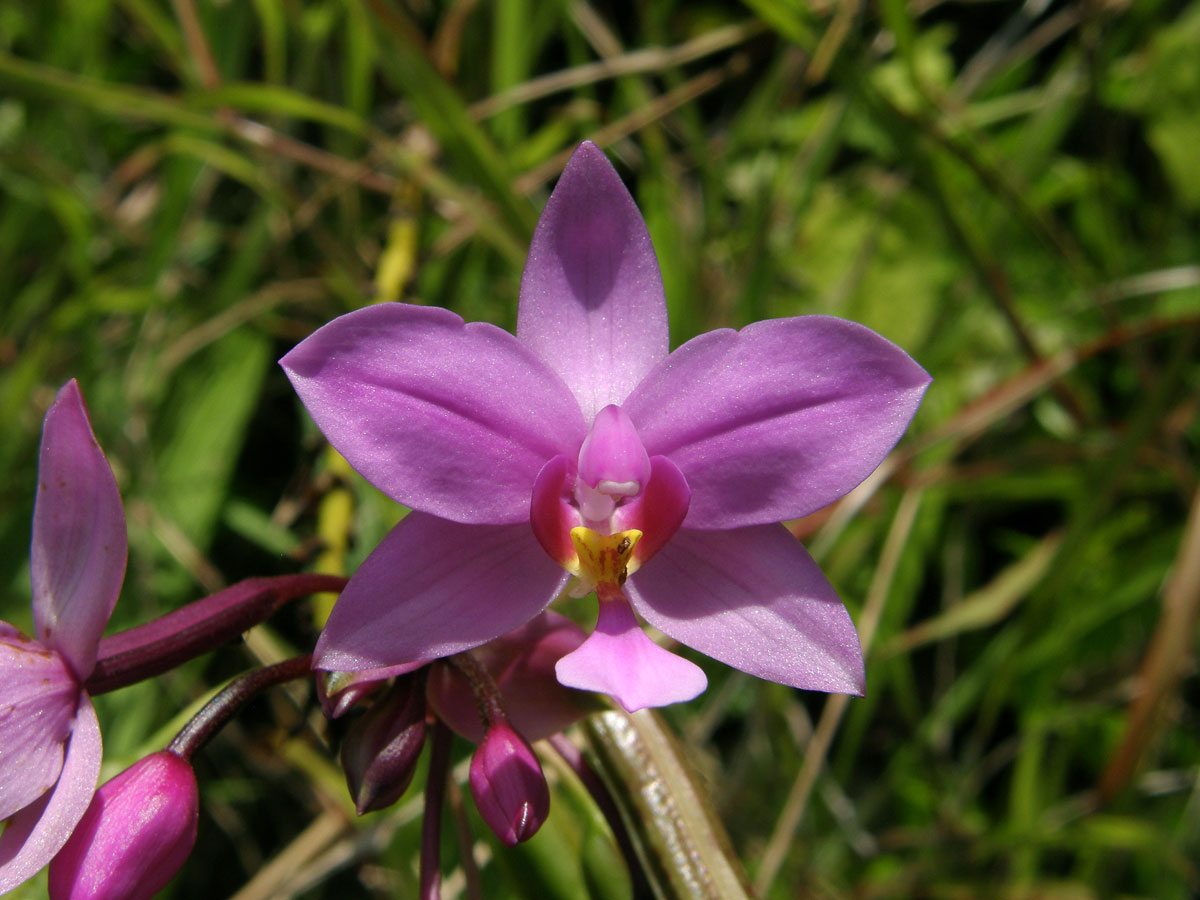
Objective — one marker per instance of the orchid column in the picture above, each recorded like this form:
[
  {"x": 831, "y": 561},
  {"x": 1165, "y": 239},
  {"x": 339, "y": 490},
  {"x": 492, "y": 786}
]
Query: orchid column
[{"x": 580, "y": 451}]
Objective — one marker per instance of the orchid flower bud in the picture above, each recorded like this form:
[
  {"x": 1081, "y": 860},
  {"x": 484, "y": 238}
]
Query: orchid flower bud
[
  {"x": 507, "y": 783},
  {"x": 381, "y": 749},
  {"x": 135, "y": 835}
]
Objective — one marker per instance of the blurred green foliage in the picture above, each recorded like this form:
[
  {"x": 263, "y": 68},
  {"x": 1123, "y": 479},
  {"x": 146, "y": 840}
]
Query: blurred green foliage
[{"x": 1008, "y": 190}]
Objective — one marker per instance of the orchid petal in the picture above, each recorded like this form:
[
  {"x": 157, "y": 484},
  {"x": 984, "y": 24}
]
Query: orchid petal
[
  {"x": 754, "y": 599},
  {"x": 779, "y": 419},
  {"x": 79, "y": 543},
  {"x": 620, "y": 660},
  {"x": 449, "y": 418},
  {"x": 551, "y": 516},
  {"x": 39, "y": 831},
  {"x": 38, "y": 696},
  {"x": 434, "y": 588},
  {"x": 592, "y": 303},
  {"x": 658, "y": 512}
]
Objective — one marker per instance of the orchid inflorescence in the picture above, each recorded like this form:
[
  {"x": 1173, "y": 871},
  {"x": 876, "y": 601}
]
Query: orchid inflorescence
[{"x": 577, "y": 456}]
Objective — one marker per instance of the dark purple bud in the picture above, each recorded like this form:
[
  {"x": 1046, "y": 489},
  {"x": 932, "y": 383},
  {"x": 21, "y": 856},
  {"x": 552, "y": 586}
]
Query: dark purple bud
[
  {"x": 507, "y": 783},
  {"x": 380, "y": 751},
  {"x": 135, "y": 835}
]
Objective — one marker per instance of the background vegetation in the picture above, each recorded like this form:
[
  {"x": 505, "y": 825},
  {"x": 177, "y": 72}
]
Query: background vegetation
[{"x": 1007, "y": 190}]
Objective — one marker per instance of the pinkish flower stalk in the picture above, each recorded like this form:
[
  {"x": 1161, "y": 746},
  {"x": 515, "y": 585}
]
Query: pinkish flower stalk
[
  {"x": 135, "y": 835},
  {"x": 581, "y": 451},
  {"x": 49, "y": 738},
  {"x": 507, "y": 783}
]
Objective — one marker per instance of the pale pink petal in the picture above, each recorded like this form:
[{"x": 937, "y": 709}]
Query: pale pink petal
[
  {"x": 620, "y": 660},
  {"x": 779, "y": 419},
  {"x": 522, "y": 665},
  {"x": 37, "y": 832},
  {"x": 592, "y": 303},
  {"x": 79, "y": 544},
  {"x": 754, "y": 599},
  {"x": 38, "y": 696},
  {"x": 447, "y": 418},
  {"x": 433, "y": 588}
]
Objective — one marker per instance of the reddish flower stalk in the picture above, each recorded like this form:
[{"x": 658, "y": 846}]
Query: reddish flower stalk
[
  {"x": 431, "y": 825},
  {"x": 199, "y": 627},
  {"x": 221, "y": 708}
]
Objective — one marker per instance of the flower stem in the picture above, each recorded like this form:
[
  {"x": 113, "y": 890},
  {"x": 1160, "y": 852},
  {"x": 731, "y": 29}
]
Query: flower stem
[
  {"x": 166, "y": 642},
  {"x": 483, "y": 686},
  {"x": 431, "y": 825},
  {"x": 217, "y": 712}
]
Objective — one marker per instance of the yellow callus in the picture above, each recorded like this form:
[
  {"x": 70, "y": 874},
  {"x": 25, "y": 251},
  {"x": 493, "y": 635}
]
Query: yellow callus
[{"x": 603, "y": 558}]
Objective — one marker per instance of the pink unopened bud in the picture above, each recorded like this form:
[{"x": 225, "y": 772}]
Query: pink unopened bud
[
  {"x": 507, "y": 783},
  {"x": 381, "y": 749},
  {"x": 138, "y": 831}
]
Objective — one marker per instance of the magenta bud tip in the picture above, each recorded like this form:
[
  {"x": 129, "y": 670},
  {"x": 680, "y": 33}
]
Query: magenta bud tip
[
  {"x": 507, "y": 783},
  {"x": 135, "y": 835}
]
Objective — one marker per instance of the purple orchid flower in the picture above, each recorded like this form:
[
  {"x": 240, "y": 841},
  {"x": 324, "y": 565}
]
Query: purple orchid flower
[
  {"x": 49, "y": 737},
  {"x": 580, "y": 448}
]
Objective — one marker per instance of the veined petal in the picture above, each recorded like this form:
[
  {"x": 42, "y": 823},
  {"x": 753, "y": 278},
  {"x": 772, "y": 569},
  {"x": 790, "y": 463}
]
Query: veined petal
[
  {"x": 592, "y": 303},
  {"x": 754, "y": 599},
  {"x": 38, "y": 831},
  {"x": 618, "y": 659},
  {"x": 434, "y": 588},
  {"x": 38, "y": 696},
  {"x": 448, "y": 418},
  {"x": 779, "y": 419},
  {"x": 79, "y": 545}
]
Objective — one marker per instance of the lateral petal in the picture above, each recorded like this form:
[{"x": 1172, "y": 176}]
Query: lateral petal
[
  {"x": 38, "y": 696},
  {"x": 39, "y": 831},
  {"x": 754, "y": 599},
  {"x": 449, "y": 418},
  {"x": 592, "y": 303},
  {"x": 77, "y": 558},
  {"x": 779, "y": 419},
  {"x": 434, "y": 588}
]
